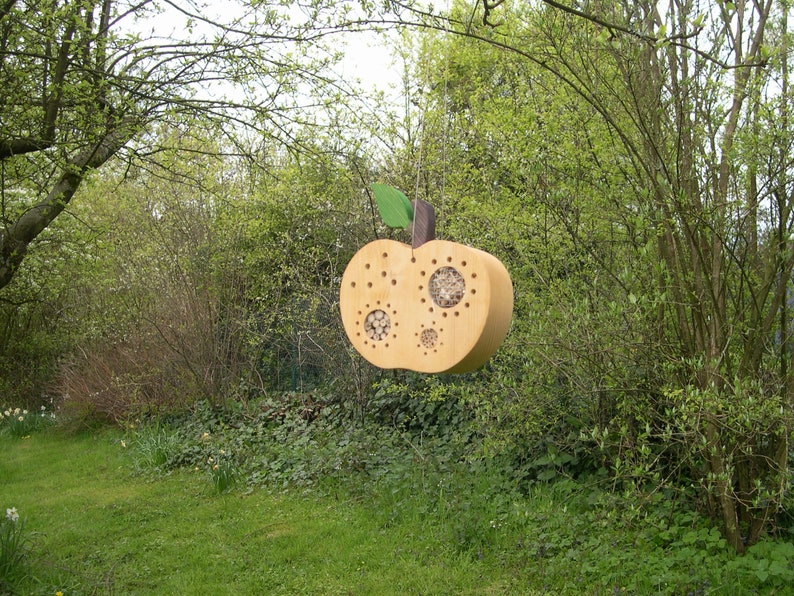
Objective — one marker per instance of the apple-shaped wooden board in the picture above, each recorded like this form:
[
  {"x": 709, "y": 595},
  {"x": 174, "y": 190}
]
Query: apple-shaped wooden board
[{"x": 442, "y": 307}]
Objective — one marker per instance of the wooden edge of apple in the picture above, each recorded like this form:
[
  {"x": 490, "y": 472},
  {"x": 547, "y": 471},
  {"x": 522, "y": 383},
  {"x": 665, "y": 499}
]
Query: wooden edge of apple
[{"x": 497, "y": 323}]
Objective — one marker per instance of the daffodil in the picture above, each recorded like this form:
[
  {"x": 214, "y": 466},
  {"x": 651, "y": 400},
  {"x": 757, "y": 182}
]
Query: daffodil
[{"x": 12, "y": 514}]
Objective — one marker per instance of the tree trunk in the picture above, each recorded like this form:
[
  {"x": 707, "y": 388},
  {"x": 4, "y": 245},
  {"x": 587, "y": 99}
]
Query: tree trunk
[
  {"x": 15, "y": 239},
  {"x": 722, "y": 480}
]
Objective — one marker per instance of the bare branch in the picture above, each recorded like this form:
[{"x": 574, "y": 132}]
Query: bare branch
[{"x": 6, "y": 8}]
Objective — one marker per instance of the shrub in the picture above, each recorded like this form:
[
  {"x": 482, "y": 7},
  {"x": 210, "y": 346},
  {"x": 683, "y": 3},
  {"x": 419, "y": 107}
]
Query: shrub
[{"x": 116, "y": 382}]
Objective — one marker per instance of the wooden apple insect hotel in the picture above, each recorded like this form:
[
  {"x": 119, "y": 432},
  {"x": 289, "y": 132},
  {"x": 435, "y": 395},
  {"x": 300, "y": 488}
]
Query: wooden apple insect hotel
[{"x": 432, "y": 307}]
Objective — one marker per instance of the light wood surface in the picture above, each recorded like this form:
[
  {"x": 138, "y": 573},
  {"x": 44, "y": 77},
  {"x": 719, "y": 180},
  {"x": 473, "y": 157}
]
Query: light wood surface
[{"x": 442, "y": 307}]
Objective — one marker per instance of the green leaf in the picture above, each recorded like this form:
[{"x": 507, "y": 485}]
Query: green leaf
[{"x": 394, "y": 207}]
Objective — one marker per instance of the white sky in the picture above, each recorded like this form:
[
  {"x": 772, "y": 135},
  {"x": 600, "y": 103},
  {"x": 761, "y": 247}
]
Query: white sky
[
  {"x": 368, "y": 55},
  {"x": 369, "y": 58}
]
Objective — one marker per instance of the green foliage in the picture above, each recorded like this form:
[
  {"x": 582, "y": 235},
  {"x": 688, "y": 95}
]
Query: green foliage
[
  {"x": 19, "y": 422},
  {"x": 155, "y": 445},
  {"x": 14, "y": 550},
  {"x": 304, "y": 440},
  {"x": 423, "y": 404},
  {"x": 31, "y": 360},
  {"x": 770, "y": 563},
  {"x": 285, "y": 247},
  {"x": 223, "y": 474},
  {"x": 36, "y": 320}
]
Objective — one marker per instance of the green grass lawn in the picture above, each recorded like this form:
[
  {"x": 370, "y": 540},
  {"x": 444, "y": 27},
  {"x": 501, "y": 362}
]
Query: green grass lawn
[
  {"x": 102, "y": 523},
  {"x": 101, "y": 528}
]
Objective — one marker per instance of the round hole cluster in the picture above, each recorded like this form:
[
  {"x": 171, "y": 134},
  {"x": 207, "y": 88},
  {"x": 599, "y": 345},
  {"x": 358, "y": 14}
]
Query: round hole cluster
[
  {"x": 429, "y": 338},
  {"x": 447, "y": 287},
  {"x": 377, "y": 325}
]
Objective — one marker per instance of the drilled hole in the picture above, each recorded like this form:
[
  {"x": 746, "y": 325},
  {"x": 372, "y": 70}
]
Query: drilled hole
[
  {"x": 429, "y": 338},
  {"x": 377, "y": 325},
  {"x": 447, "y": 287}
]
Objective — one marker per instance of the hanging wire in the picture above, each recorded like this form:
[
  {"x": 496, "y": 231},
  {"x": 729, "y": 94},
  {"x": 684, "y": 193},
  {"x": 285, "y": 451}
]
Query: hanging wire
[
  {"x": 444, "y": 129},
  {"x": 445, "y": 111},
  {"x": 445, "y": 124},
  {"x": 421, "y": 141}
]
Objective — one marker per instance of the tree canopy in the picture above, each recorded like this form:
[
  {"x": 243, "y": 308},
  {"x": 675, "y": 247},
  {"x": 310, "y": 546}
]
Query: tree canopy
[{"x": 87, "y": 81}]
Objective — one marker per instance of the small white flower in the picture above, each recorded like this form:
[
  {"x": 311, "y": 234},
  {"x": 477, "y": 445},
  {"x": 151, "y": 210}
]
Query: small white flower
[
  {"x": 21, "y": 418},
  {"x": 123, "y": 443},
  {"x": 11, "y": 513}
]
